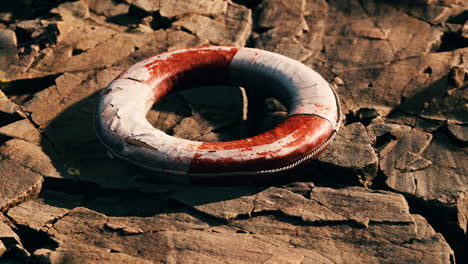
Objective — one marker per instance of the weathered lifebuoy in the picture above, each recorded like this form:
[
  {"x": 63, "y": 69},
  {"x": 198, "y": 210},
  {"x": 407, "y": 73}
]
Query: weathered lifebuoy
[{"x": 314, "y": 113}]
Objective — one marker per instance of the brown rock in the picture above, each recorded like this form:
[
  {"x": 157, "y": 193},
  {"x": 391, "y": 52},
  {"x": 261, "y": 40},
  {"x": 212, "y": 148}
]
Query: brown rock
[
  {"x": 381, "y": 133},
  {"x": 421, "y": 80},
  {"x": 430, "y": 85},
  {"x": 35, "y": 215},
  {"x": 464, "y": 31},
  {"x": 7, "y": 39},
  {"x": 78, "y": 253},
  {"x": 233, "y": 28},
  {"x": 387, "y": 36},
  {"x": 2, "y": 248},
  {"x": 170, "y": 8},
  {"x": 351, "y": 151},
  {"x": 18, "y": 184},
  {"x": 29, "y": 156},
  {"x": 459, "y": 132},
  {"x": 10, "y": 244},
  {"x": 383, "y": 67},
  {"x": 289, "y": 15},
  {"x": 285, "y": 21},
  {"x": 30, "y": 26},
  {"x": 282, "y": 226},
  {"x": 108, "y": 8},
  {"x": 290, "y": 47},
  {"x": 203, "y": 201},
  {"x": 9, "y": 111},
  {"x": 457, "y": 76},
  {"x": 219, "y": 106},
  {"x": 22, "y": 129},
  {"x": 70, "y": 10},
  {"x": 189, "y": 128},
  {"x": 451, "y": 108},
  {"x": 201, "y": 113},
  {"x": 431, "y": 170},
  {"x": 146, "y": 5},
  {"x": 433, "y": 14},
  {"x": 7, "y": 233},
  {"x": 316, "y": 13},
  {"x": 8, "y": 52}
]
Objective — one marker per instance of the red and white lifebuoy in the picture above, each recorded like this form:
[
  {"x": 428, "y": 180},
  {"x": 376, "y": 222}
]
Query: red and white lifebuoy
[{"x": 314, "y": 113}]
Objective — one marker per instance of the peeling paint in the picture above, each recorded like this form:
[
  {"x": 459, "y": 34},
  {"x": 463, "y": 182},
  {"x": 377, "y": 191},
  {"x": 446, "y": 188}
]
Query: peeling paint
[{"x": 123, "y": 128}]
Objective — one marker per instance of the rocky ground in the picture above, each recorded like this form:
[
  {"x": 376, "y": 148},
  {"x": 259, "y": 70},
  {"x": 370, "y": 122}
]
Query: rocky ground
[{"x": 392, "y": 187}]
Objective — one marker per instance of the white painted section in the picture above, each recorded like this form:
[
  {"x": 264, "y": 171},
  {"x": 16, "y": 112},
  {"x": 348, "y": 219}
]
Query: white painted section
[
  {"x": 303, "y": 87},
  {"x": 121, "y": 116}
]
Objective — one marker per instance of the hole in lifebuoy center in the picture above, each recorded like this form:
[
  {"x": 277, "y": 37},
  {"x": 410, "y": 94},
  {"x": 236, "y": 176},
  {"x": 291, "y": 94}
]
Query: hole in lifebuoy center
[{"x": 216, "y": 113}]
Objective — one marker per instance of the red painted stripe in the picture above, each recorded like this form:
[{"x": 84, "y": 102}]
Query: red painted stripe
[
  {"x": 189, "y": 68},
  {"x": 309, "y": 133}
]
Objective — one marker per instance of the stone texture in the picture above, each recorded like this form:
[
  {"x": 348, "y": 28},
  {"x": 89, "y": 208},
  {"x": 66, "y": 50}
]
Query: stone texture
[
  {"x": 459, "y": 132},
  {"x": 70, "y": 10},
  {"x": 398, "y": 66},
  {"x": 428, "y": 168},
  {"x": 2, "y": 248},
  {"x": 146, "y": 5},
  {"x": 8, "y": 52},
  {"x": 352, "y": 152},
  {"x": 75, "y": 253},
  {"x": 36, "y": 215},
  {"x": 232, "y": 28},
  {"x": 108, "y": 8},
  {"x": 210, "y": 7},
  {"x": 29, "y": 156},
  {"x": 10, "y": 243},
  {"x": 282, "y": 226},
  {"x": 22, "y": 129},
  {"x": 18, "y": 184}
]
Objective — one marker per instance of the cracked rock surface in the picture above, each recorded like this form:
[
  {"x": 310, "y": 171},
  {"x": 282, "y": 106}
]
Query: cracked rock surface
[{"x": 391, "y": 188}]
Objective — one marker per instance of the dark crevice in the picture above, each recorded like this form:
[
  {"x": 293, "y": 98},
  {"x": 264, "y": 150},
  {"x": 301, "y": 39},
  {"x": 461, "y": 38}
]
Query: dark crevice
[
  {"x": 188, "y": 31},
  {"x": 8, "y": 118},
  {"x": 26, "y": 10},
  {"x": 23, "y": 90},
  {"x": 350, "y": 118},
  {"x": 160, "y": 22},
  {"x": 439, "y": 216},
  {"x": 452, "y": 41},
  {"x": 261, "y": 30},
  {"x": 428, "y": 70},
  {"x": 459, "y": 19},
  {"x": 77, "y": 52},
  {"x": 34, "y": 239},
  {"x": 298, "y": 221},
  {"x": 379, "y": 182},
  {"x": 362, "y": 115},
  {"x": 111, "y": 202},
  {"x": 248, "y": 3},
  {"x": 4, "y": 139}
]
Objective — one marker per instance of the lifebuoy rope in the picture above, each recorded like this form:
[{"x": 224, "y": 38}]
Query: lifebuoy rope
[{"x": 317, "y": 150}]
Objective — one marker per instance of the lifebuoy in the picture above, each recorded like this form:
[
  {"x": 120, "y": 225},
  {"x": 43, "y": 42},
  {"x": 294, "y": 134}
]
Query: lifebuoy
[{"x": 314, "y": 113}]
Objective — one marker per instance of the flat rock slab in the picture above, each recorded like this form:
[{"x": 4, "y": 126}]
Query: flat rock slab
[
  {"x": 352, "y": 153},
  {"x": 275, "y": 224},
  {"x": 417, "y": 160},
  {"x": 18, "y": 184}
]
